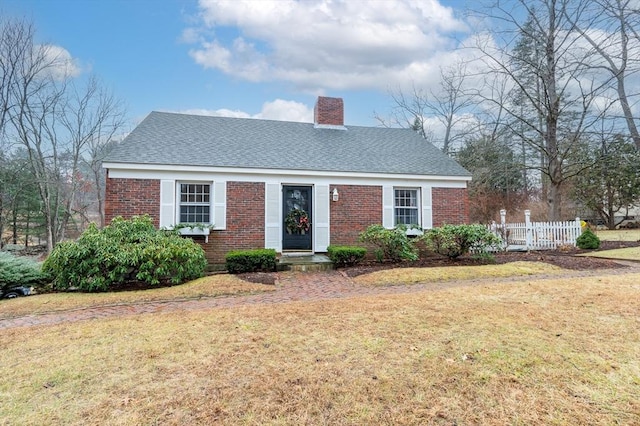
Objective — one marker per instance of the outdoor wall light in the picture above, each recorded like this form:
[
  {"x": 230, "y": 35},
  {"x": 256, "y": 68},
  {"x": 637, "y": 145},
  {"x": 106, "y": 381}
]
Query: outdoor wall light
[{"x": 335, "y": 195}]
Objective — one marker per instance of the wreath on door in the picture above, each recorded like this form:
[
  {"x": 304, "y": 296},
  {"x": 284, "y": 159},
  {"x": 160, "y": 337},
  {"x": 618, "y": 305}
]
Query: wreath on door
[{"x": 297, "y": 221}]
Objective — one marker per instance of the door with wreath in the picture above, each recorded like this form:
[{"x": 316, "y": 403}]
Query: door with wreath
[{"x": 297, "y": 220}]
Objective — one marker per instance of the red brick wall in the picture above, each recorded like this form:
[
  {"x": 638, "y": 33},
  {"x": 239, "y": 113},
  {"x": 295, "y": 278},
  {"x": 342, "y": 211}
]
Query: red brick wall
[
  {"x": 357, "y": 208},
  {"x": 245, "y": 222},
  {"x": 329, "y": 111},
  {"x": 450, "y": 205},
  {"x": 131, "y": 197}
]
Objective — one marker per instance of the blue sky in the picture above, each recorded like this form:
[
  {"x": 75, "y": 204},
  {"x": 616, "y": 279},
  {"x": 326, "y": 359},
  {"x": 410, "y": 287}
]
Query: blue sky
[{"x": 251, "y": 58}]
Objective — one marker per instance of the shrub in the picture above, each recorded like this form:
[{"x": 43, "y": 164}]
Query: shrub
[
  {"x": 453, "y": 241},
  {"x": 485, "y": 257},
  {"x": 346, "y": 255},
  {"x": 240, "y": 261},
  {"x": 16, "y": 271},
  {"x": 588, "y": 240},
  {"x": 393, "y": 244},
  {"x": 124, "y": 251}
]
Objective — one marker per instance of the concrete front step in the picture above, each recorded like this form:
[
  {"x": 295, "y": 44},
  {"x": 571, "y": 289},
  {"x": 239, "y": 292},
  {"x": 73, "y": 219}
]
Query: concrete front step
[{"x": 304, "y": 262}]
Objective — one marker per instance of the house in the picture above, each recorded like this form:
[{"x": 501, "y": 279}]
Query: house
[{"x": 282, "y": 185}]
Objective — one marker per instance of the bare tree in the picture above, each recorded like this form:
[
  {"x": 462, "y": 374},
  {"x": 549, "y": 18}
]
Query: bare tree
[
  {"x": 56, "y": 121},
  {"x": 93, "y": 160},
  {"x": 409, "y": 111},
  {"x": 13, "y": 35},
  {"x": 610, "y": 27},
  {"x": 450, "y": 105},
  {"x": 34, "y": 100},
  {"x": 91, "y": 117},
  {"x": 555, "y": 109}
]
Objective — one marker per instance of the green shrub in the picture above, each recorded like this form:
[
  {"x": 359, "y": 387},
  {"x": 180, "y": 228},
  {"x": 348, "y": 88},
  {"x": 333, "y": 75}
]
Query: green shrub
[
  {"x": 346, "y": 255},
  {"x": 240, "y": 261},
  {"x": 393, "y": 244},
  {"x": 588, "y": 240},
  {"x": 453, "y": 241},
  {"x": 485, "y": 257},
  {"x": 16, "y": 271},
  {"x": 124, "y": 251}
]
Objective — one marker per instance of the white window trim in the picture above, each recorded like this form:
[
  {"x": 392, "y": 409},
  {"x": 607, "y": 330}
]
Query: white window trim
[
  {"x": 211, "y": 204},
  {"x": 418, "y": 207}
]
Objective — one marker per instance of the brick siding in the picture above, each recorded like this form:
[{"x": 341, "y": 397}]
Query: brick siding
[
  {"x": 245, "y": 222},
  {"x": 131, "y": 197},
  {"x": 450, "y": 206},
  {"x": 357, "y": 208}
]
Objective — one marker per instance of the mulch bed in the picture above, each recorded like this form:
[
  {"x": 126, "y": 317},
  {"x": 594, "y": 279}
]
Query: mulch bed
[{"x": 564, "y": 258}]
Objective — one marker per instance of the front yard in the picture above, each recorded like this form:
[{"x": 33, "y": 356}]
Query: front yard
[
  {"x": 430, "y": 269},
  {"x": 539, "y": 349},
  {"x": 211, "y": 286},
  {"x": 535, "y": 351}
]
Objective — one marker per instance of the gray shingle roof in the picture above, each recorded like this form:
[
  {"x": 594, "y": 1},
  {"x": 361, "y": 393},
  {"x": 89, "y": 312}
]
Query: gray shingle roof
[{"x": 194, "y": 140}]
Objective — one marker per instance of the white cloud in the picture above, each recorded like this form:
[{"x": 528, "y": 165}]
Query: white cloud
[
  {"x": 216, "y": 112},
  {"x": 62, "y": 64},
  {"x": 325, "y": 44},
  {"x": 286, "y": 111},
  {"x": 339, "y": 45},
  {"x": 278, "y": 109}
]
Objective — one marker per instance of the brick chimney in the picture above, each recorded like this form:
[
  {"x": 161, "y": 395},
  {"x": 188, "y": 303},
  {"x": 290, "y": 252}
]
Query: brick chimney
[{"x": 329, "y": 112}]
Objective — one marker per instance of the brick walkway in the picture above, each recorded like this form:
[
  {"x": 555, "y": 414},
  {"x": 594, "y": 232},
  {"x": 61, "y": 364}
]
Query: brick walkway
[{"x": 292, "y": 286}]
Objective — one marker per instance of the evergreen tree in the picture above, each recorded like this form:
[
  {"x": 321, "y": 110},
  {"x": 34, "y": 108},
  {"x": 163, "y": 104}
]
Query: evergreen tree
[
  {"x": 497, "y": 181},
  {"x": 612, "y": 185}
]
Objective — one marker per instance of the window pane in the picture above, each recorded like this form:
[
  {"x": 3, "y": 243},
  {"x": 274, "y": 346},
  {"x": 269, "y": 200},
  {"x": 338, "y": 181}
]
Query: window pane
[
  {"x": 406, "y": 207},
  {"x": 406, "y": 198},
  {"x": 194, "y": 214},
  {"x": 195, "y": 203},
  {"x": 406, "y": 216}
]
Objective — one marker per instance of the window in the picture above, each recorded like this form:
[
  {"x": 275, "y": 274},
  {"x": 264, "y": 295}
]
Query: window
[
  {"x": 195, "y": 203},
  {"x": 406, "y": 207}
]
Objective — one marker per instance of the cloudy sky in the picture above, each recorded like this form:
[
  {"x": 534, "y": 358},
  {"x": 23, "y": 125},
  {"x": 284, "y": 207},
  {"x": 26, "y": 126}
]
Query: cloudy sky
[{"x": 268, "y": 59}]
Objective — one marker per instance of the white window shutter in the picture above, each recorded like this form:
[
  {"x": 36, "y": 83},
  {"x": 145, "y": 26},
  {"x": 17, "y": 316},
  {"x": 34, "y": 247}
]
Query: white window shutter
[
  {"x": 427, "y": 211},
  {"x": 387, "y": 207},
  {"x": 167, "y": 203},
  {"x": 219, "y": 205},
  {"x": 320, "y": 218},
  {"x": 272, "y": 230}
]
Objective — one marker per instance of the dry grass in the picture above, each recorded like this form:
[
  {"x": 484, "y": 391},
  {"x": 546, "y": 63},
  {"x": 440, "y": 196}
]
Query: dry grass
[
  {"x": 211, "y": 286},
  {"x": 619, "y": 235},
  {"x": 401, "y": 276},
  {"x": 535, "y": 352},
  {"x": 629, "y": 253}
]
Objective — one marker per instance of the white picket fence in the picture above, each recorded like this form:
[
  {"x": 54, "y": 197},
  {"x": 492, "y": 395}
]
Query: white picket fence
[{"x": 536, "y": 235}]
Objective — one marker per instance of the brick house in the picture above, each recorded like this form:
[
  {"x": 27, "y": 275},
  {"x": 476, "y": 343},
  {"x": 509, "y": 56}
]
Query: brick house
[{"x": 282, "y": 185}]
